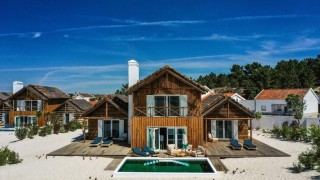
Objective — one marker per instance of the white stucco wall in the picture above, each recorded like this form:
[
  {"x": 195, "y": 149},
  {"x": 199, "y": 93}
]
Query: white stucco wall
[
  {"x": 311, "y": 104},
  {"x": 267, "y": 121},
  {"x": 268, "y": 104},
  {"x": 250, "y": 104}
]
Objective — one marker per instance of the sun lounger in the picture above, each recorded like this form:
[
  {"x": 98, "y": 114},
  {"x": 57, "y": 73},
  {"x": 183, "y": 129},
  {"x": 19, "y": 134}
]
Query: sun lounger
[
  {"x": 137, "y": 152},
  {"x": 147, "y": 149},
  {"x": 107, "y": 142},
  {"x": 248, "y": 145},
  {"x": 235, "y": 144},
  {"x": 96, "y": 142}
]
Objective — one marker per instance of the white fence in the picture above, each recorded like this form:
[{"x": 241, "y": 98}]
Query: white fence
[{"x": 267, "y": 121}]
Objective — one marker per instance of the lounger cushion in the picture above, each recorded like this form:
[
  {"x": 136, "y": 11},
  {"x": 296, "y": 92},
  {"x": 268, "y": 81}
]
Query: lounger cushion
[
  {"x": 138, "y": 152},
  {"x": 249, "y": 144},
  {"x": 97, "y": 140},
  {"x": 235, "y": 143}
]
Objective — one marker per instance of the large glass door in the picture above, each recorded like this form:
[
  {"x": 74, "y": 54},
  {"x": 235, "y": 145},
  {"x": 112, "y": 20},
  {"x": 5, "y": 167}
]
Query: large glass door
[
  {"x": 154, "y": 138},
  {"x": 224, "y": 129}
]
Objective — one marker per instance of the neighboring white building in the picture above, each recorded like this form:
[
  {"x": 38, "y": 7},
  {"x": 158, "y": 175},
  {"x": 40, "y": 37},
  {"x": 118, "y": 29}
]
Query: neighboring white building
[
  {"x": 84, "y": 96},
  {"x": 237, "y": 97},
  {"x": 272, "y": 104},
  {"x": 273, "y": 101}
]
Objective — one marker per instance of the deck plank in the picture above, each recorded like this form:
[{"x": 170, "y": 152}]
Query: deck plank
[{"x": 222, "y": 149}]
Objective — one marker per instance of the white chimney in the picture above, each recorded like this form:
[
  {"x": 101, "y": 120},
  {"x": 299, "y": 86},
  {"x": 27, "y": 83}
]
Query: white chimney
[
  {"x": 17, "y": 85},
  {"x": 133, "y": 78},
  {"x": 133, "y": 72}
]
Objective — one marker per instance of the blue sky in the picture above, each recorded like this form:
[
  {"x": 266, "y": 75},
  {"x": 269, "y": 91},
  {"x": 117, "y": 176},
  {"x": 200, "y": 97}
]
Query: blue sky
[{"x": 84, "y": 46}]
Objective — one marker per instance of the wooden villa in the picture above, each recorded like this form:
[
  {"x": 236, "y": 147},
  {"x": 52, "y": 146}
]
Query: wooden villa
[
  {"x": 32, "y": 99},
  {"x": 4, "y": 107},
  {"x": 108, "y": 118},
  {"x": 167, "y": 104},
  {"x": 72, "y": 109}
]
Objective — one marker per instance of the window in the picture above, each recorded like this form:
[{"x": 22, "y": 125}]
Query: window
[
  {"x": 28, "y": 105},
  {"x": 263, "y": 108},
  {"x": 167, "y": 105},
  {"x": 279, "y": 109},
  {"x": 112, "y": 128},
  {"x": 24, "y": 120}
]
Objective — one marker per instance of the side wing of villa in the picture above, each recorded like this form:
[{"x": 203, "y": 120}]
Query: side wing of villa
[
  {"x": 225, "y": 118},
  {"x": 32, "y": 98},
  {"x": 72, "y": 109},
  {"x": 108, "y": 118},
  {"x": 4, "y": 107}
]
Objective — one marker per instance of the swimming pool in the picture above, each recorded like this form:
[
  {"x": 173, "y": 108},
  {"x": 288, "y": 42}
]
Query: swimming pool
[
  {"x": 145, "y": 166},
  {"x": 7, "y": 129}
]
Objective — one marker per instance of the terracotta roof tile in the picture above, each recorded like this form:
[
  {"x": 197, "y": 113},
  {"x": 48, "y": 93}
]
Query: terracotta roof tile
[
  {"x": 280, "y": 94},
  {"x": 229, "y": 94}
]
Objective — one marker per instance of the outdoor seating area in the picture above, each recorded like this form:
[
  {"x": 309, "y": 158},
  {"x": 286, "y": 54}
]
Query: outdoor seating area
[
  {"x": 103, "y": 142},
  {"x": 118, "y": 149},
  {"x": 223, "y": 149}
]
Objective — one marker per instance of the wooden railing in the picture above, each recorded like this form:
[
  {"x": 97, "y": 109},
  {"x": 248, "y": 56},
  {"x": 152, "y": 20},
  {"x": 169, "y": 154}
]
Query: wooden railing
[{"x": 163, "y": 111}]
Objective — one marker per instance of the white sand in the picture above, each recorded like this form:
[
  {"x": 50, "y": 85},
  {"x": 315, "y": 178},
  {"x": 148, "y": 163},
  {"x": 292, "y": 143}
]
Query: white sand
[
  {"x": 76, "y": 168},
  {"x": 269, "y": 167}
]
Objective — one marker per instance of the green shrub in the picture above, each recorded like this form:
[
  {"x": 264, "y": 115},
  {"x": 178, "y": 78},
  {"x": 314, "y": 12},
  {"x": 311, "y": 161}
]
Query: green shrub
[
  {"x": 286, "y": 133},
  {"x": 314, "y": 131},
  {"x": 43, "y": 131},
  {"x": 307, "y": 159},
  {"x": 21, "y": 133},
  {"x": 276, "y": 131},
  {"x": 4, "y": 153},
  {"x": 35, "y": 129},
  {"x": 8, "y": 157},
  {"x": 297, "y": 168},
  {"x": 303, "y": 132},
  {"x": 62, "y": 130},
  {"x": 49, "y": 130},
  {"x": 73, "y": 126},
  {"x": 14, "y": 158},
  {"x": 66, "y": 127}
]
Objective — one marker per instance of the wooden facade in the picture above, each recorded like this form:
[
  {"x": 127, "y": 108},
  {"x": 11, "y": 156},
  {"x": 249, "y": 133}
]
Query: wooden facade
[
  {"x": 166, "y": 81},
  {"x": 49, "y": 101},
  {"x": 107, "y": 109},
  {"x": 140, "y": 124},
  {"x": 73, "y": 106},
  {"x": 4, "y": 108},
  {"x": 225, "y": 108}
]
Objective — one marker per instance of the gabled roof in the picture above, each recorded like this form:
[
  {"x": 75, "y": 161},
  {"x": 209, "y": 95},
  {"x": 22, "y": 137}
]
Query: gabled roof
[
  {"x": 5, "y": 95},
  {"x": 234, "y": 94},
  {"x": 280, "y": 94},
  {"x": 217, "y": 100},
  {"x": 44, "y": 92},
  {"x": 78, "y": 104},
  {"x": 86, "y": 95},
  {"x": 160, "y": 72},
  {"x": 118, "y": 101}
]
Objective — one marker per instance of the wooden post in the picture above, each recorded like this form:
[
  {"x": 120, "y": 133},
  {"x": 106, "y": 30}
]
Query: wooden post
[
  {"x": 84, "y": 130},
  {"x": 206, "y": 132},
  {"x": 251, "y": 129}
]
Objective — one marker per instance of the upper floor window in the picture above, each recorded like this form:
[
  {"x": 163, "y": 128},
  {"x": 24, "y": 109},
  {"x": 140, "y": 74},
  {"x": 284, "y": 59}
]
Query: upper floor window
[
  {"x": 167, "y": 105},
  {"x": 263, "y": 108},
  {"x": 29, "y": 105}
]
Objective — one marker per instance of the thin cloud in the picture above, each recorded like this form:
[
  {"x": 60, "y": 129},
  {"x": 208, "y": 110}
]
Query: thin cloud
[
  {"x": 36, "y": 35},
  {"x": 265, "y": 17}
]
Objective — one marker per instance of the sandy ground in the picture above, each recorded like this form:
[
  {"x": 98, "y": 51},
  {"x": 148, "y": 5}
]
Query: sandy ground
[{"x": 36, "y": 166}]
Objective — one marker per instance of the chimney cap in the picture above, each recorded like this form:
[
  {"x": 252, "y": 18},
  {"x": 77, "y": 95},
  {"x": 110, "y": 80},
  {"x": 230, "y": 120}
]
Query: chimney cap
[{"x": 133, "y": 63}]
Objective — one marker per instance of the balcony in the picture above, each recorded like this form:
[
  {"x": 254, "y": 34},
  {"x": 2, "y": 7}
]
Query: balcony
[{"x": 162, "y": 111}]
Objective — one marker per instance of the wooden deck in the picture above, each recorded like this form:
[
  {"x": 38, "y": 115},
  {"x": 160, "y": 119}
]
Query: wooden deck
[
  {"x": 117, "y": 150},
  {"x": 222, "y": 149}
]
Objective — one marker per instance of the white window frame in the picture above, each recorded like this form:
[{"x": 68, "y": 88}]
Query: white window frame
[
  {"x": 151, "y": 99},
  {"x": 263, "y": 108}
]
